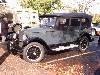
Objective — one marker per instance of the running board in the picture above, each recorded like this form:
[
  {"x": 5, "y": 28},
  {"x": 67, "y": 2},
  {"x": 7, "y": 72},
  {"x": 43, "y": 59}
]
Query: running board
[{"x": 65, "y": 47}]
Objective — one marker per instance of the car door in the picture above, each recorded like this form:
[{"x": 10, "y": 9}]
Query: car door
[
  {"x": 63, "y": 29},
  {"x": 53, "y": 34},
  {"x": 66, "y": 35},
  {"x": 73, "y": 29}
]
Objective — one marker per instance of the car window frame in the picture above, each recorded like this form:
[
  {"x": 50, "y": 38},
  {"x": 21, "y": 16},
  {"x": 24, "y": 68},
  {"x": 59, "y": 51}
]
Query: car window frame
[
  {"x": 75, "y": 18},
  {"x": 63, "y": 27}
]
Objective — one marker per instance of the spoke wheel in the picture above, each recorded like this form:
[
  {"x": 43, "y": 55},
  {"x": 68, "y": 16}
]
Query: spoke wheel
[
  {"x": 33, "y": 52},
  {"x": 84, "y": 43}
]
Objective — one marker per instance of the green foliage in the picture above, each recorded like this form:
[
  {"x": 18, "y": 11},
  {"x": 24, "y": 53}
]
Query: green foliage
[
  {"x": 43, "y": 6},
  {"x": 96, "y": 18}
]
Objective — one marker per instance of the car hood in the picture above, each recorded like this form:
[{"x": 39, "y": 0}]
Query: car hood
[{"x": 37, "y": 30}]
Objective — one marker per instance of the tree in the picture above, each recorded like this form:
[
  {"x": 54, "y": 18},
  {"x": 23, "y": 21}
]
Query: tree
[
  {"x": 80, "y": 6},
  {"x": 3, "y": 1},
  {"x": 4, "y": 11},
  {"x": 43, "y": 6},
  {"x": 85, "y": 5},
  {"x": 96, "y": 18}
]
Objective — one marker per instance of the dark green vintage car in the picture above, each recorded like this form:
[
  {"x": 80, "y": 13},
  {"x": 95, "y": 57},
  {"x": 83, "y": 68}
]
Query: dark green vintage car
[{"x": 58, "y": 31}]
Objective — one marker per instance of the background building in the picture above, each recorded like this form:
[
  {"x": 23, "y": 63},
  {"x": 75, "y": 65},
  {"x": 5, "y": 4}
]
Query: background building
[{"x": 27, "y": 17}]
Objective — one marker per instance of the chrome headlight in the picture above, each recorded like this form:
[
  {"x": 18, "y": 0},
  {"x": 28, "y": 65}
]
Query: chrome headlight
[
  {"x": 14, "y": 36},
  {"x": 93, "y": 32},
  {"x": 24, "y": 37}
]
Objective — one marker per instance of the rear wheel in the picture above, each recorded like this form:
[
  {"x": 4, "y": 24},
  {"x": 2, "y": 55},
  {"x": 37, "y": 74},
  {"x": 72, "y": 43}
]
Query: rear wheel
[
  {"x": 83, "y": 44},
  {"x": 33, "y": 52}
]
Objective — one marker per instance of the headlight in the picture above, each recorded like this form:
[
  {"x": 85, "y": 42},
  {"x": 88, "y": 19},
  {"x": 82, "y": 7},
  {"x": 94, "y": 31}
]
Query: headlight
[
  {"x": 14, "y": 36},
  {"x": 93, "y": 32},
  {"x": 24, "y": 37}
]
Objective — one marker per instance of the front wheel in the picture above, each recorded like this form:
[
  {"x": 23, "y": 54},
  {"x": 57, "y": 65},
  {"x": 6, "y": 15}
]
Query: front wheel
[
  {"x": 33, "y": 52},
  {"x": 83, "y": 44}
]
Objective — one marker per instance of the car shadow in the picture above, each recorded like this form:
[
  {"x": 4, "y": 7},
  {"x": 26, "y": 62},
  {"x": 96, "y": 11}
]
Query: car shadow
[
  {"x": 4, "y": 56},
  {"x": 60, "y": 54},
  {"x": 97, "y": 72},
  {"x": 68, "y": 53}
]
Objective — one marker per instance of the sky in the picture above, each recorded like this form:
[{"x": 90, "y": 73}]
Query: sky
[
  {"x": 12, "y": 3},
  {"x": 94, "y": 9}
]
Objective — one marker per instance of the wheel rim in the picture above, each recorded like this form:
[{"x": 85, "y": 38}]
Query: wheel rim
[
  {"x": 33, "y": 53},
  {"x": 84, "y": 44}
]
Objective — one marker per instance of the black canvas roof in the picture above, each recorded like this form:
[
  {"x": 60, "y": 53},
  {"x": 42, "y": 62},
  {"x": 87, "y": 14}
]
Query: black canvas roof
[{"x": 67, "y": 15}]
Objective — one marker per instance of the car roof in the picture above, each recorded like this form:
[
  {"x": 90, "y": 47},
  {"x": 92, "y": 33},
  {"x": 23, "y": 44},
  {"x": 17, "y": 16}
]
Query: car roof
[{"x": 82, "y": 15}]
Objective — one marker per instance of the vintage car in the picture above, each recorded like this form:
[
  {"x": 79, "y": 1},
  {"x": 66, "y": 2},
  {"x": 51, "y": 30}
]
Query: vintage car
[{"x": 58, "y": 31}]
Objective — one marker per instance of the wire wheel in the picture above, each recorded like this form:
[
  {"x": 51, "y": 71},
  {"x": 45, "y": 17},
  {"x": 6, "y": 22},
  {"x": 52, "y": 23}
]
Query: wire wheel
[
  {"x": 84, "y": 43},
  {"x": 33, "y": 52}
]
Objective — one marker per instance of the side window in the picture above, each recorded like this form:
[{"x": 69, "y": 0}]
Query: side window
[
  {"x": 85, "y": 22},
  {"x": 63, "y": 23},
  {"x": 75, "y": 22}
]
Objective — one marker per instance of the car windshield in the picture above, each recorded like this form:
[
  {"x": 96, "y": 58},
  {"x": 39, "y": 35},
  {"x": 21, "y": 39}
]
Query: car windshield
[{"x": 48, "y": 21}]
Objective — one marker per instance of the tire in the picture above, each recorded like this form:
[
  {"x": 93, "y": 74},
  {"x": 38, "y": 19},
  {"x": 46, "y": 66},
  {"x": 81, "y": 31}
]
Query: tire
[
  {"x": 83, "y": 44},
  {"x": 37, "y": 56}
]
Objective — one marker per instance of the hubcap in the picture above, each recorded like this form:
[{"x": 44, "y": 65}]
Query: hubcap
[{"x": 33, "y": 53}]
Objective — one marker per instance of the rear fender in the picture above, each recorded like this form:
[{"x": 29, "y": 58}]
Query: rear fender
[{"x": 84, "y": 34}]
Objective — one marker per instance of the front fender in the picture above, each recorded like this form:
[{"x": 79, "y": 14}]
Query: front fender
[
  {"x": 29, "y": 40},
  {"x": 35, "y": 39}
]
